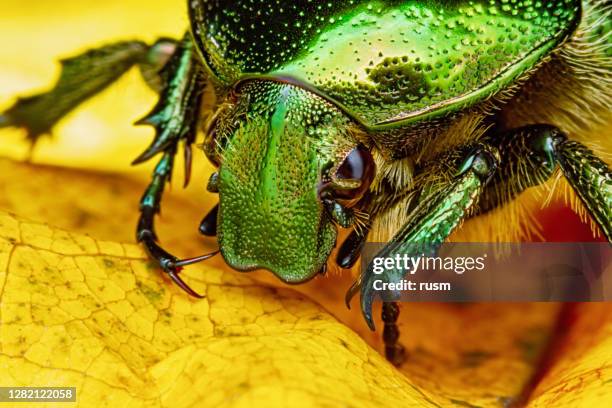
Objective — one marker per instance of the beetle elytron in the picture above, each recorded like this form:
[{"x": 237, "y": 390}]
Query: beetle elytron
[{"x": 393, "y": 117}]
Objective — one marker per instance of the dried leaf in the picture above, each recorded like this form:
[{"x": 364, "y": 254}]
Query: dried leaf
[
  {"x": 579, "y": 371},
  {"x": 94, "y": 313}
]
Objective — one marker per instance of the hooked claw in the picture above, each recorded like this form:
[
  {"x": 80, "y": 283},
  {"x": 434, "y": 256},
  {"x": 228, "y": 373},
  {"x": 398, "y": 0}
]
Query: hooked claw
[
  {"x": 367, "y": 291},
  {"x": 174, "y": 267},
  {"x": 351, "y": 292},
  {"x": 181, "y": 283},
  {"x": 367, "y": 297},
  {"x": 169, "y": 263}
]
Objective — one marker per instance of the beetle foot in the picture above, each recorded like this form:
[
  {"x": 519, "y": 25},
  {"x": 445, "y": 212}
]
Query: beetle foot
[
  {"x": 396, "y": 355},
  {"x": 394, "y": 352},
  {"x": 33, "y": 133},
  {"x": 170, "y": 264},
  {"x": 351, "y": 248},
  {"x": 174, "y": 266},
  {"x": 174, "y": 275},
  {"x": 208, "y": 226}
]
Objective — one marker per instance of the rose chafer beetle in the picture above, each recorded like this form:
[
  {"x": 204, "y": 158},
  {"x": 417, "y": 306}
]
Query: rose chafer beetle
[{"x": 398, "y": 119}]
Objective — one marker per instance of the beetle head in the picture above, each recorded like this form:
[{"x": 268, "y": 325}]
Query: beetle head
[{"x": 289, "y": 169}]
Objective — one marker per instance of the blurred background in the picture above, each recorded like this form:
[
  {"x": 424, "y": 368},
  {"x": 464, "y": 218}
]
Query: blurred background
[
  {"x": 37, "y": 33},
  {"x": 98, "y": 139}
]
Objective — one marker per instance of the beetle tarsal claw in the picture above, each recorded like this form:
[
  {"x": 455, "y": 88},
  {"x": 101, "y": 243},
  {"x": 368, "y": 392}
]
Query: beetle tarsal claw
[
  {"x": 191, "y": 261},
  {"x": 367, "y": 298},
  {"x": 174, "y": 267},
  {"x": 351, "y": 292},
  {"x": 181, "y": 283}
]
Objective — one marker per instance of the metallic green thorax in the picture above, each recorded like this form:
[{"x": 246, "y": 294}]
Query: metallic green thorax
[
  {"x": 282, "y": 142},
  {"x": 384, "y": 62}
]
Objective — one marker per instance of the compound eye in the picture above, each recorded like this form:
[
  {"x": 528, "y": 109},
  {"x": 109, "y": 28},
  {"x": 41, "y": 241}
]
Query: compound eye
[{"x": 355, "y": 174}]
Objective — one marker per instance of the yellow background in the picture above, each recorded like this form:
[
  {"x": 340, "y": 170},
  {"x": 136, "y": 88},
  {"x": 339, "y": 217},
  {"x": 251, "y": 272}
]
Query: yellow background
[{"x": 36, "y": 34}]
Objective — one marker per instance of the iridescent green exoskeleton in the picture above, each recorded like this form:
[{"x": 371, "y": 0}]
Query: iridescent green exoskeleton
[{"x": 393, "y": 118}]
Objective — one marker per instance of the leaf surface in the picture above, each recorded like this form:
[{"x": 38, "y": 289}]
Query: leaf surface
[{"x": 94, "y": 313}]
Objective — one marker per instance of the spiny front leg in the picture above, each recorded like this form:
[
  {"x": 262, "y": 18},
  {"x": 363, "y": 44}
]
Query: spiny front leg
[
  {"x": 175, "y": 118},
  {"x": 176, "y": 115},
  {"x": 443, "y": 207},
  {"x": 145, "y": 232},
  {"x": 590, "y": 178},
  {"x": 81, "y": 78},
  {"x": 531, "y": 155},
  {"x": 149, "y": 207}
]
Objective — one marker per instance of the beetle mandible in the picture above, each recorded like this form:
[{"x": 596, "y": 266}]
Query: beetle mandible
[{"x": 394, "y": 118}]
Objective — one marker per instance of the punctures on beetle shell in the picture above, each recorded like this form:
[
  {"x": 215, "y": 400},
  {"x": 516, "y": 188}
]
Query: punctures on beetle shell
[{"x": 384, "y": 62}]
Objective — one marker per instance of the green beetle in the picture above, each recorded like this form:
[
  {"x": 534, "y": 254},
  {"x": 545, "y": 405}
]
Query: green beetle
[{"x": 394, "y": 118}]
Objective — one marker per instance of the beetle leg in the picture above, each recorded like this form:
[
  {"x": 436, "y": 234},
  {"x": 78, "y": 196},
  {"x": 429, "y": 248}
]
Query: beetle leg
[
  {"x": 531, "y": 155},
  {"x": 343, "y": 216},
  {"x": 149, "y": 207},
  {"x": 433, "y": 220},
  {"x": 213, "y": 183},
  {"x": 175, "y": 119},
  {"x": 394, "y": 352},
  {"x": 208, "y": 226},
  {"x": 81, "y": 78},
  {"x": 591, "y": 179},
  {"x": 350, "y": 250},
  {"x": 176, "y": 115},
  {"x": 145, "y": 232},
  {"x": 158, "y": 55}
]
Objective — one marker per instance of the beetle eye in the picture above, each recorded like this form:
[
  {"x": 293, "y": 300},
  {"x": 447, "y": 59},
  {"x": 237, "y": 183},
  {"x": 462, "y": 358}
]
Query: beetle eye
[{"x": 355, "y": 174}]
